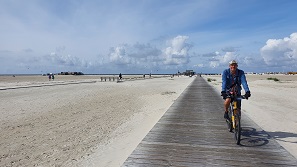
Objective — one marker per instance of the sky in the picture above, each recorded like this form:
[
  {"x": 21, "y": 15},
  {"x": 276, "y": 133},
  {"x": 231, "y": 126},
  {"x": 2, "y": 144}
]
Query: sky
[{"x": 147, "y": 36}]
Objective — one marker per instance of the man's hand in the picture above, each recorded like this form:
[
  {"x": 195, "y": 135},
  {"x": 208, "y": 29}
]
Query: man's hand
[
  {"x": 247, "y": 94},
  {"x": 224, "y": 94}
]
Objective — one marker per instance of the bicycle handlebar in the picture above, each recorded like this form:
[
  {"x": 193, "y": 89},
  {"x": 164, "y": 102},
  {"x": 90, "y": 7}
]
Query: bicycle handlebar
[
  {"x": 238, "y": 97},
  {"x": 241, "y": 97}
]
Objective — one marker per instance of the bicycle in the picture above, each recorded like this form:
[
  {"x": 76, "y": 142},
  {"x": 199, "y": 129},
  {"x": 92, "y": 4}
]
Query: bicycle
[{"x": 235, "y": 115}]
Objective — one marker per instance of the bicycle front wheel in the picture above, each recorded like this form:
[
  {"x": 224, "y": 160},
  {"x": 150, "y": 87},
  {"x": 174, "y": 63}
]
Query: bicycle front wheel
[
  {"x": 237, "y": 131},
  {"x": 229, "y": 121}
]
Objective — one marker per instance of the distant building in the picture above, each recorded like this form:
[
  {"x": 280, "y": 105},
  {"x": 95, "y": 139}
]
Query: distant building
[
  {"x": 292, "y": 73},
  {"x": 71, "y": 73},
  {"x": 189, "y": 73}
]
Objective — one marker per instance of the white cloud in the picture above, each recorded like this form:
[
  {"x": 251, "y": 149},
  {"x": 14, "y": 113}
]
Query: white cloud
[
  {"x": 124, "y": 57},
  {"x": 66, "y": 60},
  {"x": 118, "y": 55},
  {"x": 222, "y": 59},
  {"x": 146, "y": 55},
  {"x": 280, "y": 52},
  {"x": 60, "y": 58},
  {"x": 178, "y": 51},
  {"x": 199, "y": 65},
  {"x": 217, "y": 61}
]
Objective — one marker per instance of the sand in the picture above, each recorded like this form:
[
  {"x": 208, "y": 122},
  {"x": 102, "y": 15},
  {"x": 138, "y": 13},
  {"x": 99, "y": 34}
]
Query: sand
[
  {"x": 79, "y": 120},
  {"x": 272, "y": 106}
]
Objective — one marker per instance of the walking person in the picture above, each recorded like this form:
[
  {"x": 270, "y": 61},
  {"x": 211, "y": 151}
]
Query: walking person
[{"x": 120, "y": 76}]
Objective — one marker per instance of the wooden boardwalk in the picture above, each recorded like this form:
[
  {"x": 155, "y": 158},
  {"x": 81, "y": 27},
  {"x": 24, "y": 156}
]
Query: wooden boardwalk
[{"x": 193, "y": 133}]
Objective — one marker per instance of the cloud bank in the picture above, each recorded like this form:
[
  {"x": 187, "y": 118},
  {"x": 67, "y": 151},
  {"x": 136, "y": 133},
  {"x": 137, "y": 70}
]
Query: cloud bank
[
  {"x": 281, "y": 52},
  {"x": 169, "y": 55},
  {"x": 277, "y": 55},
  {"x": 174, "y": 55}
]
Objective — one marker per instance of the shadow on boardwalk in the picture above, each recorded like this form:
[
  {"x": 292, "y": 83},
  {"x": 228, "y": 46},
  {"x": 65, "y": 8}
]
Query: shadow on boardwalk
[{"x": 252, "y": 138}]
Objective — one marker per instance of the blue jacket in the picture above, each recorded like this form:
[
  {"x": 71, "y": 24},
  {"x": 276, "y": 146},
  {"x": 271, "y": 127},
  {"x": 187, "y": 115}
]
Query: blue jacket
[{"x": 227, "y": 79}]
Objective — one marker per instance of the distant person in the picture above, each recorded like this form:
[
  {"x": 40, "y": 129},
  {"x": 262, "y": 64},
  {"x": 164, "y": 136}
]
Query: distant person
[
  {"x": 120, "y": 76},
  {"x": 53, "y": 76},
  {"x": 229, "y": 77},
  {"x": 49, "y": 77}
]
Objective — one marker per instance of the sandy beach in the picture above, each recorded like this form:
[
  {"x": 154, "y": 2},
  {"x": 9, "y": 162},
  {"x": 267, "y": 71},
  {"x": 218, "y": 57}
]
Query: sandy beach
[
  {"x": 272, "y": 106},
  {"x": 82, "y": 121},
  {"x": 79, "y": 120}
]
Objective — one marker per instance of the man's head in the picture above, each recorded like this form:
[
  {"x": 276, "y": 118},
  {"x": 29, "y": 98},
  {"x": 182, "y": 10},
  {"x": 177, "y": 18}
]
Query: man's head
[{"x": 233, "y": 66}]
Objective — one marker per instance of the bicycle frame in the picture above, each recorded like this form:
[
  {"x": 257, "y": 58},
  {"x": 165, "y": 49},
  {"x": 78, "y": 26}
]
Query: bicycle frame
[{"x": 234, "y": 113}]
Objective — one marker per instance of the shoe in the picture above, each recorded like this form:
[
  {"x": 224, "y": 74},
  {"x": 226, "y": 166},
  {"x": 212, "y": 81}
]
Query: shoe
[{"x": 226, "y": 116}]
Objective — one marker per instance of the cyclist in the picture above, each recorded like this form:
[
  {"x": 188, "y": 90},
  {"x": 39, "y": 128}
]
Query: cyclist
[{"x": 231, "y": 76}]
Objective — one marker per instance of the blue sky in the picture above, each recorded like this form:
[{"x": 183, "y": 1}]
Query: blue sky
[{"x": 147, "y": 36}]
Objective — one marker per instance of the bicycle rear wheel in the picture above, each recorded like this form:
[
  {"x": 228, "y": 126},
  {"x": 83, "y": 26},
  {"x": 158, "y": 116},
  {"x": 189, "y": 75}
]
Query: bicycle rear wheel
[{"x": 237, "y": 131}]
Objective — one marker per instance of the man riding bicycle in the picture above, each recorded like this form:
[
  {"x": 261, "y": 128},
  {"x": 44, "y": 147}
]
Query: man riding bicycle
[{"x": 230, "y": 77}]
